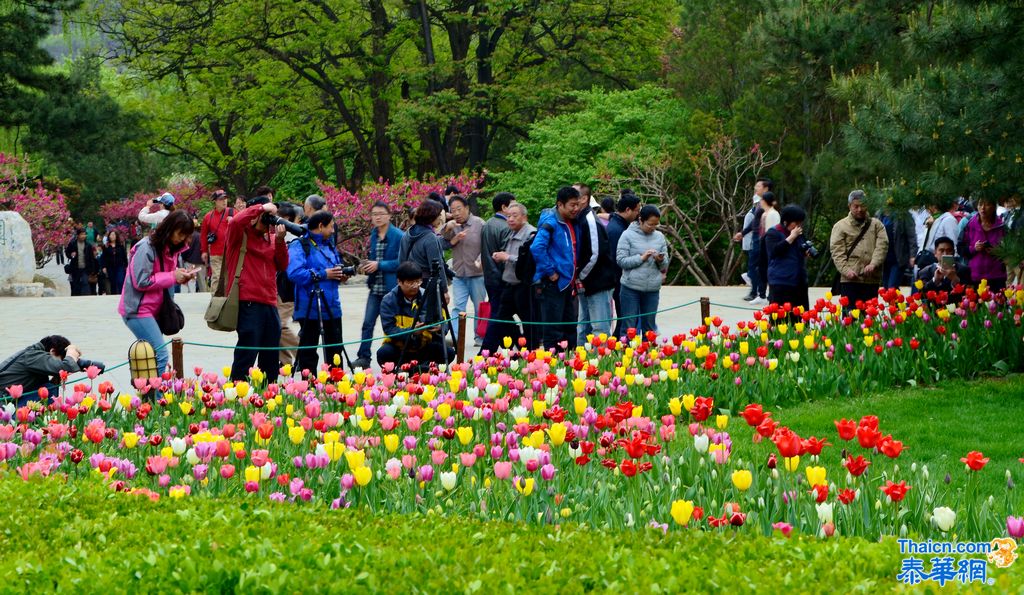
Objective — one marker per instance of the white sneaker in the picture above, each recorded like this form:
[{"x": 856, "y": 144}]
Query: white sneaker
[
  {"x": 746, "y": 279},
  {"x": 759, "y": 302}
]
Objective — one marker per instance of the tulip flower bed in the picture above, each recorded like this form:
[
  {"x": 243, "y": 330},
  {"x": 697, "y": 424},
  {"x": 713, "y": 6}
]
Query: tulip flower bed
[{"x": 643, "y": 433}]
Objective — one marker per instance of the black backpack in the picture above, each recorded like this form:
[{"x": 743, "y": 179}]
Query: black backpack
[{"x": 526, "y": 266}]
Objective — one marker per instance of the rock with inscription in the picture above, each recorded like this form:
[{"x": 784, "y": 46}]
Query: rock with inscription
[{"x": 17, "y": 256}]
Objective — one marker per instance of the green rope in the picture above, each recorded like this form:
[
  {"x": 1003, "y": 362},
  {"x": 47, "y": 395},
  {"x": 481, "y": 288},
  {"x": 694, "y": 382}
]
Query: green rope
[
  {"x": 540, "y": 323},
  {"x": 747, "y": 308}
]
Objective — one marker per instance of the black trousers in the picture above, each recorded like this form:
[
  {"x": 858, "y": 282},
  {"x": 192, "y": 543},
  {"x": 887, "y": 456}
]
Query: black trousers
[
  {"x": 310, "y": 332},
  {"x": 515, "y": 300},
  {"x": 795, "y": 295},
  {"x": 258, "y": 326},
  {"x": 433, "y": 352},
  {"x": 858, "y": 292},
  {"x": 559, "y": 311},
  {"x": 494, "y": 291}
]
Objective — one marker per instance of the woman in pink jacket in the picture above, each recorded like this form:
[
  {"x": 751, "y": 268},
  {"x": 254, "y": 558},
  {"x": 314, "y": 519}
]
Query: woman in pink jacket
[
  {"x": 152, "y": 274},
  {"x": 984, "y": 233}
]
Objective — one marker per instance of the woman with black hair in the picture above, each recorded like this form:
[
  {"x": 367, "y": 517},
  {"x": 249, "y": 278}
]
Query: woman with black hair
[
  {"x": 115, "y": 261},
  {"x": 786, "y": 250},
  {"x": 152, "y": 274}
]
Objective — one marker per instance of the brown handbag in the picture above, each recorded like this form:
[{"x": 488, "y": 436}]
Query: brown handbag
[{"x": 222, "y": 313}]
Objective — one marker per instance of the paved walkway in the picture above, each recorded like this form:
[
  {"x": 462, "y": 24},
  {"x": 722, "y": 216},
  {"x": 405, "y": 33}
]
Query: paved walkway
[{"x": 92, "y": 322}]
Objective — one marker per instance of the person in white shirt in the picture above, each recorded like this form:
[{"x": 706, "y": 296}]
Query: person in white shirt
[
  {"x": 943, "y": 222},
  {"x": 154, "y": 213}
]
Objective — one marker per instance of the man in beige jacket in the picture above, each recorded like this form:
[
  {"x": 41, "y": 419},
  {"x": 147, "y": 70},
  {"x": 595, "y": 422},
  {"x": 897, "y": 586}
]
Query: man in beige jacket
[{"x": 859, "y": 262}]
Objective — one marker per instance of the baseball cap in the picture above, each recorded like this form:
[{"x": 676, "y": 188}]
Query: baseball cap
[{"x": 167, "y": 199}]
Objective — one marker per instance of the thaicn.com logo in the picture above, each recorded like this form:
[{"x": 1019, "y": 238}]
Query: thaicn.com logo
[{"x": 954, "y": 561}]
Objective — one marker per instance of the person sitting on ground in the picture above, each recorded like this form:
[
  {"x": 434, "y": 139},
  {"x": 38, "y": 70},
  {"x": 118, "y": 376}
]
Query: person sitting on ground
[
  {"x": 946, "y": 273},
  {"x": 40, "y": 365},
  {"x": 405, "y": 308}
]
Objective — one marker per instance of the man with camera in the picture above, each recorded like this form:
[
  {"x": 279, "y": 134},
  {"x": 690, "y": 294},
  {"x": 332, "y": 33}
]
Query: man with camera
[
  {"x": 859, "y": 245},
  {"x": 787, "y": 252},
  {"x": 154, "y": 213},
  {"x": 315, "y": 268},
  {"x": 406, "y": 308},
  {"x": 945, "y": 273},
  {"x": 40, "y": 365},
  {"x": 213, "y": 235},
  {"x": 265, "y": 253}
]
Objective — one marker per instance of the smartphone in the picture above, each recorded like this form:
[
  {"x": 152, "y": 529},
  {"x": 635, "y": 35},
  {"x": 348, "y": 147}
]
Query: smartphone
[{"x": 948, "y": 261}]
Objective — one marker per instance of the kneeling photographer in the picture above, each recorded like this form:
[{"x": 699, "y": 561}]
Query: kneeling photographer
[
  {"x": 255, "y": 252},
  {"x": 39, "y": 365},
  {"x": 787, "y": 253},
  {"x": 408, "y": 306},
  {"x": 316, "y": 270}
]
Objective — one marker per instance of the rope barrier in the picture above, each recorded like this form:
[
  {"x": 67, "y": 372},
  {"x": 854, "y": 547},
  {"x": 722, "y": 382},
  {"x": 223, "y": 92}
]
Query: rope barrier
[
  {"x": 747, "y": 308},
  {"x": 542, "y": 323}
]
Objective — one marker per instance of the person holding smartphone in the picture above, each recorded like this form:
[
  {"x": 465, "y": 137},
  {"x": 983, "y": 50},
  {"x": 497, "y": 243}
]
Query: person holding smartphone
[
  {"x": 152, "y": 273},
  {"x": 945, "y": 274}
]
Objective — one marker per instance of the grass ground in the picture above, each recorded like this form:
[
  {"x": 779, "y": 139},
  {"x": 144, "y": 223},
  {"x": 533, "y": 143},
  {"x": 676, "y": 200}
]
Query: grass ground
[{"x": 937, "y": 425}]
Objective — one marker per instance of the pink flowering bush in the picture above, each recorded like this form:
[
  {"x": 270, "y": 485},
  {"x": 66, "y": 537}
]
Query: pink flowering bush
[
  {"x": 44, "y": 210},
  {"x": 122, "y": 215},
  {"x": 351, "y": 211}
]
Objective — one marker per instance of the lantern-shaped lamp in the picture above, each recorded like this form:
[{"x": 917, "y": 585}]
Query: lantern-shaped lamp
[{"x": 142, "y": 360}]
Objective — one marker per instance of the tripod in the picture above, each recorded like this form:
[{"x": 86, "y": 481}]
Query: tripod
[
  {"x": 317, "y": 292},
  {"x": 423, "y": 304}
]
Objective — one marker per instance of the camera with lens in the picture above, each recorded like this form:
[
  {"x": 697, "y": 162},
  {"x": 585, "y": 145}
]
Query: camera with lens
[
  {"x": 295, "y": 229},
  {"x": 807, "y": 247},
  {"x": 85, "y": 363},
  {"x": 348, "y": 271}
]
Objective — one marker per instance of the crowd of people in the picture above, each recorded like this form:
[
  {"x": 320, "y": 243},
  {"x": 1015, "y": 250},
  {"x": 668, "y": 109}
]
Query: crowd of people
[{"x": 585, "y": 268}]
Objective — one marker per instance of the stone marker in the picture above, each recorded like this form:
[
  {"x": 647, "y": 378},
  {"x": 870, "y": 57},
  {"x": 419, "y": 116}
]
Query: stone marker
[{"x": 17, "y": 257}]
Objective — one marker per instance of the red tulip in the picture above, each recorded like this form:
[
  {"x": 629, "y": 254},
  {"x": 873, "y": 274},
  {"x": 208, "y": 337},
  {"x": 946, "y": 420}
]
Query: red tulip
[
  {"x": 895, "y": 491},
  {"x": 846, "y": 495},
  {"x": 867, "y": 437},
  {"x": 767, "y": 427},
  {"x": 754, "y": 414},
  {"x": 814, "y": 445},
  {"x": 820, "y": 492},
  {"x": 889, "y": 447},
  {"x": 856, "y": 466},
  {"x": 847, "y": 428},
  {"x": 870, "y": 421},
  {"x": 628, "y": 468},
  {"x": 787, "y": 442},
  {"x": 772, "y": 461},
  {"x": 975, "y": 460}
]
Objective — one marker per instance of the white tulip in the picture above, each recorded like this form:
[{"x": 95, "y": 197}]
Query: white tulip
[
  {"x": 448, "y": 479},
  {"x": 824, "y": 512},
  {"x": 701, "y": 442},
  {"x": 944, "y": 518}
]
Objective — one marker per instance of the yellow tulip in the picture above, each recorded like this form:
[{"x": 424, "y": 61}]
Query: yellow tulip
[
  {"x": 673, "y": 374},
  {"x": 742, "y": 479},
  {"x": 744, "y": 348},
  {"x": 675, "y": 406},
  {"x": 689, "y": 401},
  {"x": 791, "y": 463},
  {"x": 185, "y": 407},
  {"x": 809, "y": 341},
  {"x": 465, "y": 435},
  {"x": 444, "y": 410},
  {"x": 391, "y": 442},
  {"x": 178, "y": 492},
  {"x": 125, "y": 400},
  {"x": 365, "y": 423},
  {"x": 557, "y": 433},
  {"x": 535, "y": 439},
  {"x": 681, "y": 511},
  {"x": 428, "y": 414},
  {"x": 539, "y": 407},
  {"x": 772, "y": 364},
  {"x": 506, "y": 341},
  {"x": 225, "y": 371},
  {"x": 167, "y": 452},
  {"x": 88, "y": 402},
  {"x": 334, "y": 450},
  {"x": 363, "y": 475},
  {"x": 638, "y": 411},
  {"x": 579, "y": 385},
  {"x": 331, "y": 436},
  {"x": 580, "y": 405},
  {"x": 355, "y": 459},
  {"x": 252, "y": 473},
  {"x": 721, "y": 421},
  {"x": 525, "y": 486},
  {"x": 794, "y": 344},
  {"x": 242, "y": 389},
  {"x": 130, "y": 439},
  {"x": 816, "y": 476},
  {"x": 286, "y": 369},
  {"x": 296, "y": 434},
  {"x": 258, "y": 375},
  {"x": 869, "y": 340}
]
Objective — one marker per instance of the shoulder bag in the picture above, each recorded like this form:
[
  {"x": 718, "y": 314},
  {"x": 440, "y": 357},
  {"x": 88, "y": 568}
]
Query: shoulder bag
[
  {"x": 222, "y": 313},
  {"x": 169, "y": 317}
]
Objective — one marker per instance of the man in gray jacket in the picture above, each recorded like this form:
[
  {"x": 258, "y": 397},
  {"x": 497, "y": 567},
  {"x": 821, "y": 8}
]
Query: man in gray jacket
[
  {"x": 493, "y": 239},
  {"x": 40, "y": 365},
  {"x": 516, "y": 299},
  {"x": 463, "y": 234}
]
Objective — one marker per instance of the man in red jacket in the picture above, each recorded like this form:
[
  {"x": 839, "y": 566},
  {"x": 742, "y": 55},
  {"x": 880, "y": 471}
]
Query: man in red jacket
[
  {"x": 213, "y": 235},
  {"x": 265, "y": 254}
]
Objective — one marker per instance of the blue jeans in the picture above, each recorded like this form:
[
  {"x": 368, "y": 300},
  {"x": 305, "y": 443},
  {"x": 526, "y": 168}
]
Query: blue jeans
[
  {"x": 595, "y": 315},
  {"x": 893, "y": 277},
  {"x": 370, "y": 317},
  {"x": 116, "y": 280},
  {"x": 464, "y": 289},
  {"x": 146, "y": 329},
  {"x": 638, "y": 309}
]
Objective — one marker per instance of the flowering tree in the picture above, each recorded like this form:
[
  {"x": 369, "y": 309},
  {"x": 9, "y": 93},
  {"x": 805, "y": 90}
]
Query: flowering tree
[
  {"x": 352, "y": 211},
  {"x": 44, "y": 210},
  {"x": 122, "y": 216}
]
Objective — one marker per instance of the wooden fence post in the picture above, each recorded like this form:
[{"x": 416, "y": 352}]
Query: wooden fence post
[
  {"x": 460, "y": 348},
  {"x": 705, "y": 309},
  {"x": 178, "y": 356}
]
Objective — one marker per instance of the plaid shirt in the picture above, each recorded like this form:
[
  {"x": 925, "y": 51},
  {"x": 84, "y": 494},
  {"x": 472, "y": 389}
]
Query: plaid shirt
[{"x": 378, "y": 277}]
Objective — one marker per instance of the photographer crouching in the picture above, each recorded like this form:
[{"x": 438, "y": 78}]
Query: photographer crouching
[
  {"x": 39, "y": 365},
  {"x": 315, "y": 268},
  {"x": 406, "y": 307},
  {"x": 253, "y": 239}
]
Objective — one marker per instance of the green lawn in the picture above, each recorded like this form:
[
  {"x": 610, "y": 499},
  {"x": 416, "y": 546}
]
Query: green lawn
[{"x": 937, "y": 425}]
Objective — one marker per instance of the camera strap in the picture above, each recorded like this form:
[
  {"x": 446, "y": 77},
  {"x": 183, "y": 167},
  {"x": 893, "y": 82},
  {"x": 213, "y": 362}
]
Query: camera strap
[{"x": 860, "y": 236}]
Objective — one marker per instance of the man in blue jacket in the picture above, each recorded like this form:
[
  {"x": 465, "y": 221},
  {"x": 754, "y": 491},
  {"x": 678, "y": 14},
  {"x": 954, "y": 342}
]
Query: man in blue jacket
[
  {"x": 315, "y": 268},
  {"x": 555, "y": 250},
  {"x": 385, "y": 241}
]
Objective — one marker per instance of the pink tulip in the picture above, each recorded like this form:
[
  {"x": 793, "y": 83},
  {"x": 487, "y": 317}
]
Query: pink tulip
[
  {"x": 408, "y": 461},
  {"x": 426, "y": 473},
  {"x": 260, "y": 457},
  {"x": 252, "y": 486},
  {"x": 503, "y": 469},
  {"x": 347, "y": 481},
  {"x": 92, "y": 372},
  {"x": 547, "y": 472},
  {"x": 467, "y": 459},
  {"x": 1015, "y": 526},
  {"x": 15, "y": 391},
  {"x": 227, "y": 471},
  {"x": 393, "y": 468},
  {"x": 413, "y": 423},
  {"x": 437, "y": 457}
]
